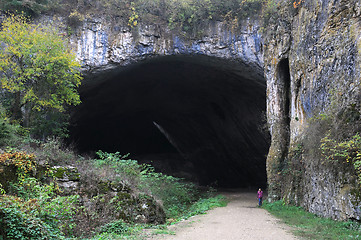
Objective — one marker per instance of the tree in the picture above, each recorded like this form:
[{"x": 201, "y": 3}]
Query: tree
[{"x": 36, "y": 68}]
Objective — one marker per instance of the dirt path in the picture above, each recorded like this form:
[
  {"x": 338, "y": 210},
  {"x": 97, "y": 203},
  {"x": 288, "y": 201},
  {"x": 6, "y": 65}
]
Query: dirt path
[{"x": 240, "y": 220}]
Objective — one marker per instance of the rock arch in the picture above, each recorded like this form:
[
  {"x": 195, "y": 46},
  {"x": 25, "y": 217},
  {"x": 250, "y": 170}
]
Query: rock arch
[{"x": 193, "y": 107}]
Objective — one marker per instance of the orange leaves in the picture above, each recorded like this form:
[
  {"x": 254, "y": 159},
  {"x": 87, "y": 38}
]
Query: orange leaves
[
  {"x": 23, "y": 161},
  {"x": 297, "y": 3}
]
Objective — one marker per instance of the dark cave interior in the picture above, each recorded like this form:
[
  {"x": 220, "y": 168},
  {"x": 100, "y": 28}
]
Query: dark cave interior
[{"x": 199, "y": 118}]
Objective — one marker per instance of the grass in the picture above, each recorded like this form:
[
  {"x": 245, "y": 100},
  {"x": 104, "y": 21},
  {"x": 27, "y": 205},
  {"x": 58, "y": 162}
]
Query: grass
[
  {"x": 310, "y": 226},
  {"x": 134, "y": 232}
]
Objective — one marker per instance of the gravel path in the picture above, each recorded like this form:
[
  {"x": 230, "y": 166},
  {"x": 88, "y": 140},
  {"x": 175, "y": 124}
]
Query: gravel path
[{"x": 241, "y": 219}]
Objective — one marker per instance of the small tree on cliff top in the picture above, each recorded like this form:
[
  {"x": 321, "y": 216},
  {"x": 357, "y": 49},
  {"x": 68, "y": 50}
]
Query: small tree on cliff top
[{"x": 36, "y": 68}]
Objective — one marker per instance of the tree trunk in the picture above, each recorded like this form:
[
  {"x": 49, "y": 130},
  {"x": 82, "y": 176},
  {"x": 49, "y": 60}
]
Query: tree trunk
[{"x": 17, "y": 114}]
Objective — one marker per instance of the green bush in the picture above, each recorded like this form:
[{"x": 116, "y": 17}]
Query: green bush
[
  {"x": 18, "y": 225},
  {"x": 54, "y": 210},
  {"x": 116, "y": 227},
  {"x": 175, "y": 194},
  {"x": 9, "y": 133},
  {"x": 32, "y": 209},
  {"x": 270, "y": 12},
  {"x": 47, "y": 124},
  {"x": 346, "y": 152}
]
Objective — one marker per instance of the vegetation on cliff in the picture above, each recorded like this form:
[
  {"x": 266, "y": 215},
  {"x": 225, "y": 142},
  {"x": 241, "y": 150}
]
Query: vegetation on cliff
[
  {"x": 189, "y": 16},
  {"x": 182, "y": 12},
  {"x": 183, "y": 16}
]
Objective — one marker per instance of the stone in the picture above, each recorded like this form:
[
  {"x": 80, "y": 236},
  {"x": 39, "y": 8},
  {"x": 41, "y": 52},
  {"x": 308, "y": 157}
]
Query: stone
[
  {"x": 66, "y": 173},
  {"x": 320, "y": 44},
  {"x": 67, "y": 178}
]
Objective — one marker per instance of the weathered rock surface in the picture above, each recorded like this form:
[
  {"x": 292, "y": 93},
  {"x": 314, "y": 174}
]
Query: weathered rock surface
[
  {"x": 312, "y": 62},
  {"x": 102, "y": 44},
  {"x": 67, "y": 178}
]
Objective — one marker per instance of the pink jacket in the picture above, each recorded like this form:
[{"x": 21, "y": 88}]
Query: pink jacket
[{"x": 259, "y": 194}]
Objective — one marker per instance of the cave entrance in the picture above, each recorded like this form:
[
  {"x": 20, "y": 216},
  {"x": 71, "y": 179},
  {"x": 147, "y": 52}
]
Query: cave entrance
[{"x": 198, "y": 118}]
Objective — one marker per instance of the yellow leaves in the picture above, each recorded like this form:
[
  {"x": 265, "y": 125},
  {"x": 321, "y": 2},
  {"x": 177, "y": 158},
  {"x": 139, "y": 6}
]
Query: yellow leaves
[
  {"x": 133, "y": 18},
  {"x": 36, "y": 62},
  {"x": 348, "y": 151}
]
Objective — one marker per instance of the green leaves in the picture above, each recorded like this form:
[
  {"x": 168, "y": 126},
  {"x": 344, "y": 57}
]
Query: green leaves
[
  {"x": 348, "y": 151},
  {"x": 35, "y": 211},
  {"x": 175, "y": 194},
  {"x": 117, "y": 227}
]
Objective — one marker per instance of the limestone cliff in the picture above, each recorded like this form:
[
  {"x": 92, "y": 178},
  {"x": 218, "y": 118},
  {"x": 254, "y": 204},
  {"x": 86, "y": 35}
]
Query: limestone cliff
[
  {"x": 312, "y": 67},
  {"x": 102, "y": 44}
]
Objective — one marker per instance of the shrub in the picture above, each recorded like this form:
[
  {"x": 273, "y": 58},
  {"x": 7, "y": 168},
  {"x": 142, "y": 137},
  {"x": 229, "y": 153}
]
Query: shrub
[
  {"x": 347, "y": 152},
  {"x": 24, "y": 163},
  {"x": 48, "y": 124},
  {"x": 9, "y": 133},
  {"x": 175, "y": 194},
  {"x": 33, "y": 210},
  {"x": 53, "y": 152},
  {"x": 117, "y": 227},
  {"x": 18, "y": 225},
  {"x": 37, "y": 213}
]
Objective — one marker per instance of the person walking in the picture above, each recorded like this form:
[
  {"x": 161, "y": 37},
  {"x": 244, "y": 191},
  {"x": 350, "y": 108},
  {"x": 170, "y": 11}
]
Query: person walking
[{"x": 259, "y": 196}]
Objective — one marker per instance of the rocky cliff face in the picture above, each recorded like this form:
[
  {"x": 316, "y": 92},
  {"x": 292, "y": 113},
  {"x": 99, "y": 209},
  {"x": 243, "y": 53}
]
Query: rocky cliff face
[
  {"x": 105, "y": 44},
  {"x": 312, "y": 67}
]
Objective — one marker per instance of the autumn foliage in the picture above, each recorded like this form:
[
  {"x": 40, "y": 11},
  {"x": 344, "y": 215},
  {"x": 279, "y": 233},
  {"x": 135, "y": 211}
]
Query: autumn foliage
[
  {"x": 36, "y": 68},
  {"x": 23, "y": 161}
]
